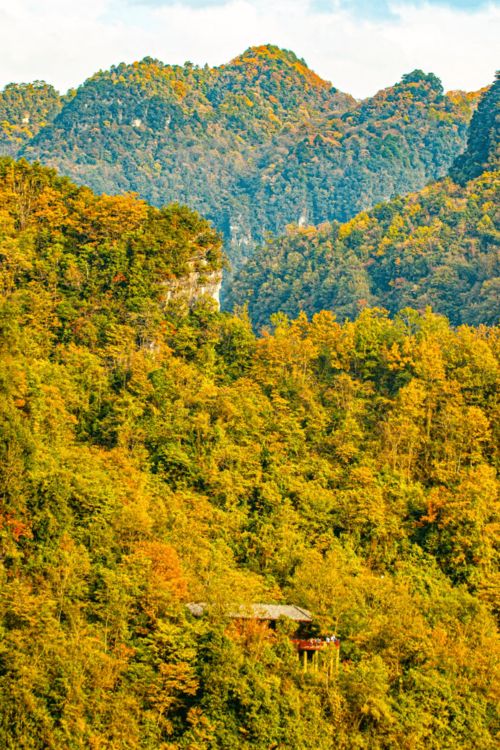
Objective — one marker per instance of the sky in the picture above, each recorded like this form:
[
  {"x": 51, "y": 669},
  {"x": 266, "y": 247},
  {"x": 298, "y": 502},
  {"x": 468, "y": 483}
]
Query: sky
[{"x": 360, "y": 46}]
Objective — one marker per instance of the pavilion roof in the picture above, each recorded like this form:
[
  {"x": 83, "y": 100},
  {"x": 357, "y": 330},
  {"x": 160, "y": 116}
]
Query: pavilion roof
[{"x": 259, "y": 611}]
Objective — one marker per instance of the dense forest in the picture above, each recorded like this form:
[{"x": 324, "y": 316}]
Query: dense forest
[
  {"x": 24, "y": 110},
  {"x": 483, "y": 139},
  {"x": 254, "y": 144},
  {"x": 154, "y": 452},
  {"x": 439, "y": 247}
]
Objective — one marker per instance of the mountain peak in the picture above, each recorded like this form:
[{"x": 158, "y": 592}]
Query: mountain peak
[
  {"x": 418, "y": 77},
  {"x": 268, "y": 56},
  {"x": 268, "y": 52}
]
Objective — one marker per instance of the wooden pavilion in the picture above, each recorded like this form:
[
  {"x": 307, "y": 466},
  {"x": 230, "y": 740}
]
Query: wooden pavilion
[{"x": 306, "y": 644}]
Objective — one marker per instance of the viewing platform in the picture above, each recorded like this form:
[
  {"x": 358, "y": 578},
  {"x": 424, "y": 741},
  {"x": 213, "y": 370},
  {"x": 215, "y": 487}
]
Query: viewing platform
[
  {"x": 316, "y": 652},
  {"x": 315, "y": 644}
]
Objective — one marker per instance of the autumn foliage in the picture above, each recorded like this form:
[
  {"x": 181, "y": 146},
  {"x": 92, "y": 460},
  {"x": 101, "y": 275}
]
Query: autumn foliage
[{"x": 155, "y": 454}]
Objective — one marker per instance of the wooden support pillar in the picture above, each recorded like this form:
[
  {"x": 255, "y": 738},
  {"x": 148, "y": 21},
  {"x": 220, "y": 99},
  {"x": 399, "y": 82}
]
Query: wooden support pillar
[{"x": 304, "y": 660}]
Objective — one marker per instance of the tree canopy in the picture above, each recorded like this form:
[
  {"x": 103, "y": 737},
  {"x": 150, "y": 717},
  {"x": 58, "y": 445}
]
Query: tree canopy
[{"x": 155, "y": 453}]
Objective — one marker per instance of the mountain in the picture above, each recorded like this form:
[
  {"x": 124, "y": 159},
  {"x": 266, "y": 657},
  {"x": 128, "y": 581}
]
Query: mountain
[
  {"x": 195, "y": 135},
  {"x": 483, "y": 144},
  {"x": 255, "y": 144},
  {"x": 438, "y": 247},
  {"x": 24, "y": 110},
  {"x": 156, "y": 455}
]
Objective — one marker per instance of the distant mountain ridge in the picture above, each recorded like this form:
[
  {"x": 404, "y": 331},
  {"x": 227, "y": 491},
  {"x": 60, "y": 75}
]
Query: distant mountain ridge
[
  {"x": 254, "y": 144},
  {"x": 439, "y": 247}
]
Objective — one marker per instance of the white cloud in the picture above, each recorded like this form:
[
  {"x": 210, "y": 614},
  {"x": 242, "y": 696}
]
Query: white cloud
[{"x": 65, "y": 42}]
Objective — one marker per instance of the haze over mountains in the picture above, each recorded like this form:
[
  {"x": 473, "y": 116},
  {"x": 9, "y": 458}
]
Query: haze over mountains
[{"x": 253, "y": 145}]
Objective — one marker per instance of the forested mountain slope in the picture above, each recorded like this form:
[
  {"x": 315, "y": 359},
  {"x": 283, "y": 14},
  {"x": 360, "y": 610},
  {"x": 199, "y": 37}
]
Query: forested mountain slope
[
  {"x": 24, "y": 109},
  {"x": 483, "y": 144},
  {"x": 155, "y": 455},
  {"x": 438, "y": 247},
  {"x": 255, "y": 144}
]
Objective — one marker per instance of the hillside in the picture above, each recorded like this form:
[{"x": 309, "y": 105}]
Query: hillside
[
  {"x": 24, "y": 110},
  {"x": 483, "y": 144},
  {"x": 155, "y": 455},
  {"x": 438, "y": 247},
  {"x": 255, "y": 144}
]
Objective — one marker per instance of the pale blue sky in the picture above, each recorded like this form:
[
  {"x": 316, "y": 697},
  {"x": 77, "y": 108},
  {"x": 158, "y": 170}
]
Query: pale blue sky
[
  {"x": 367, "y": 8},
  {"x": 360, "y": 46}
]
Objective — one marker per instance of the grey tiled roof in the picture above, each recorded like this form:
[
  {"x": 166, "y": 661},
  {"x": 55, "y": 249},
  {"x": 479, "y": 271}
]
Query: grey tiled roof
[{"x": 259, "y": 611}]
